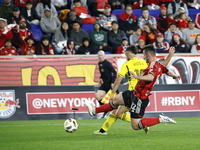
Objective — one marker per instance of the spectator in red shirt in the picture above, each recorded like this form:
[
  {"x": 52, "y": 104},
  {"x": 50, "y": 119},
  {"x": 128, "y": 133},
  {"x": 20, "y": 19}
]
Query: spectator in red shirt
[
  {"x": 141, "y": 44},
  {"x": 182, "y": 22},
  {"x": 29, "y": 47},
  {"x": 21, "y": 3},
  {"x": 149, "y": 33},
  {"x": 137, "y": 4},
  {"x": 16, "y": 17},
  {"x": 8, "y": 49},
  {"x": 123, "y": 47},
  {"x": 165, "y": 2},
  {"x": 44, "y": 47},
  {"x": 21, "y": 34},
  {"x": 128, "y": 21},
  {"x": 4, "y": 34}
]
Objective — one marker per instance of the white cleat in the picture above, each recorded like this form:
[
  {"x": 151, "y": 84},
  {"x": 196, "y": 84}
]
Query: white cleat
[
  {"x": 91, "y": 108},
  {"x": 146, "y": 130},
  {"x": 165, "y": 119},
  {"x": 99, "y": 133}
]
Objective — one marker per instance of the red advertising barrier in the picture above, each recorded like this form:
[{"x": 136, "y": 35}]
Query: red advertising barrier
[
  {"x": 58, "y": 103},
  {"x": 177, "y": 101}
]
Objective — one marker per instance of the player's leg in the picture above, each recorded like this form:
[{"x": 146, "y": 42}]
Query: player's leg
[
  {"x": 103, "y": 89},
  {"x": 122, "y": 114},
  {"x": 137, "y": 113},
  {"x": 118, "y": 100},
  {"x": 107, "y": 124},
  {"x": 99, "y": 95}
]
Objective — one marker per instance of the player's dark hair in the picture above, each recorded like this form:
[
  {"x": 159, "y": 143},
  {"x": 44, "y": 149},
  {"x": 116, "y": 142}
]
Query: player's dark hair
[
  {"x": 150, "y": 49},
  {"x": 133, "y": 49}
]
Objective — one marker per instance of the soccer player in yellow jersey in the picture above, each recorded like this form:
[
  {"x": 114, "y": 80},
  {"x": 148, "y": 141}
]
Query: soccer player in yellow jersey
[{"x": 135, "y": 65}]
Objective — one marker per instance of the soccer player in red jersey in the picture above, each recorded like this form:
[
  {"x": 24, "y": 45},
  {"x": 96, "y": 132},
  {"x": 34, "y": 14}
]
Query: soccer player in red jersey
[{"x": 138, "y": 100}]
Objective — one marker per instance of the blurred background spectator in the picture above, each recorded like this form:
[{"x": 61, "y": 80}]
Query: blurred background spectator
[
  {"x": 77, "y": 34},
  {"x": 115, "y": 36},
  {"x": 179, "y": 44},
  {"x": 60, "y": 37},
  {"x": 6, "y": 9},
  {"x": 99, "y": 38},
  {"x": 107, "y": 18},
  {"x": 121, "y": 49},
  {"x": 69, "y": 49},
  {"x": 45, "y": 4},
  {"x": 196, "y": 46},
  {"x": 30, "y": 13},
  {"x": 49, "y": 24},
  {"x": 44, "y": 47},
  {"x": 87, "y": 48},
  {"x": 145, "y": 18},
  {"x": 128, "y": 21}
]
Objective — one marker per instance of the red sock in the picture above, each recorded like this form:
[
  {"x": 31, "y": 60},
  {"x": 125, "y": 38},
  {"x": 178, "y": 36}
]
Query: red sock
[
  {"x": 147, "y": 122},
  {"x": 104, "y": 108}
]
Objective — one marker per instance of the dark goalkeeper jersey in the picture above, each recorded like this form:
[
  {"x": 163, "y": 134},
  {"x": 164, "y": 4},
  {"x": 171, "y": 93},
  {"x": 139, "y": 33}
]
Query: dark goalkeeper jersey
[{"x": 108, "y": 73}]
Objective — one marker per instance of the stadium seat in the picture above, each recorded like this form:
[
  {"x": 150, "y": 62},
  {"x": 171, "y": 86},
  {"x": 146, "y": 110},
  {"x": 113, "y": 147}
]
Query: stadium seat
[
  {"x": 193, "y": 13},
  {"x": 105, "y": 53},
  {"x": 137, "y": 12},
  {"x": 88, "y": 27},
  {"x": 2, "y": 1},
  {"x": 154, "y": 13},
  {"x": 37, "y": 32},
  {"x": 117, "y": 12}
]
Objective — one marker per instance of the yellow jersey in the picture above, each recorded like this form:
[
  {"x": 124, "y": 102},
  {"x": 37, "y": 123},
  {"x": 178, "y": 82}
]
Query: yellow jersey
[{"x": 135, "y": 65}]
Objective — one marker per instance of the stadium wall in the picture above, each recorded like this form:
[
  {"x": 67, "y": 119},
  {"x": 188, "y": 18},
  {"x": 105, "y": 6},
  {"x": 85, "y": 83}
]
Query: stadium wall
[{"x": 56, "y": 102}]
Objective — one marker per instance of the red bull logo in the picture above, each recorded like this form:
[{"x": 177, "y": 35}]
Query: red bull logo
[{"x": 8, "y": 104}]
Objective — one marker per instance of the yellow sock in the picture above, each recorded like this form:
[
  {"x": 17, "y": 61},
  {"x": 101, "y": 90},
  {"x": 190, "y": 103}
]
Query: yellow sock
[
  {"x": 126, "y": 117},
  {"x": 109, "y": 122}
]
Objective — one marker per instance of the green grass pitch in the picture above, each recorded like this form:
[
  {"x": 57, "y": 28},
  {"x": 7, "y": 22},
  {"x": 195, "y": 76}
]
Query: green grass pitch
[{"x": 50, "y": 135}]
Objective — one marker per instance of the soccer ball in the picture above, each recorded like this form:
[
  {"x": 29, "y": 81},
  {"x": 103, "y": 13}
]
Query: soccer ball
[{"x": 70, "y": 125}]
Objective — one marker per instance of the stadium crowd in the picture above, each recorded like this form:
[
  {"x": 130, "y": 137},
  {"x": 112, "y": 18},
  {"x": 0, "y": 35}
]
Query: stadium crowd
[{"x": 60, "y": 24}]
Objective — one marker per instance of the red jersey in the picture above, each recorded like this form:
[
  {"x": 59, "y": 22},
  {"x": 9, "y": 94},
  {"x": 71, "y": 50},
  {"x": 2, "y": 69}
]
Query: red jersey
[
  {"x": 49, "y": 51},
  {"x": 4, "y": 36},
  {"x": 10, "y": 51},
  {"x": 121, "y": 49},
  {"x": 182, "y": 23},
  {"x": 143, "y": 88},
  {"x": 28, "y": 50}
]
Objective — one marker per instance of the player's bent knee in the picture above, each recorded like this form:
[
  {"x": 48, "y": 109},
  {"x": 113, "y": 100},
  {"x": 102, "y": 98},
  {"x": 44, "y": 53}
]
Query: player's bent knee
[
  {"x": 135, "y": 126},
  {"x": 98, "y": 97},
  {"x": 119, "y": 115}
]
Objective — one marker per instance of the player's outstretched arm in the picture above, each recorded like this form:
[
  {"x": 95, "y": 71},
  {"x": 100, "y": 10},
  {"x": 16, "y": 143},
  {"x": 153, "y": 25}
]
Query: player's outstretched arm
[
  {"x": 174, "y": 76},
  {"x": 116, "y": 84},
  {"x": 148, "y": 77},
  {"x": 169, "y": 56}
]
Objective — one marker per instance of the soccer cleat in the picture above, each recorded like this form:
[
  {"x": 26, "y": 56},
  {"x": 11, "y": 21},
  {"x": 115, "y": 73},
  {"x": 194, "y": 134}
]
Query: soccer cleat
[
  {"x": 146, "y": 130},
  {"x": 165, "y": 119},
  {"x": 99, "y": 133},
  {"x": 91, "y": 108}
]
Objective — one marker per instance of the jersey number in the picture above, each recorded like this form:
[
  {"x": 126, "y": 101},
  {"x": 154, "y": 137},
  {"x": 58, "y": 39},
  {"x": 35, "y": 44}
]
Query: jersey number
[{"x": 138, "y": 71}]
